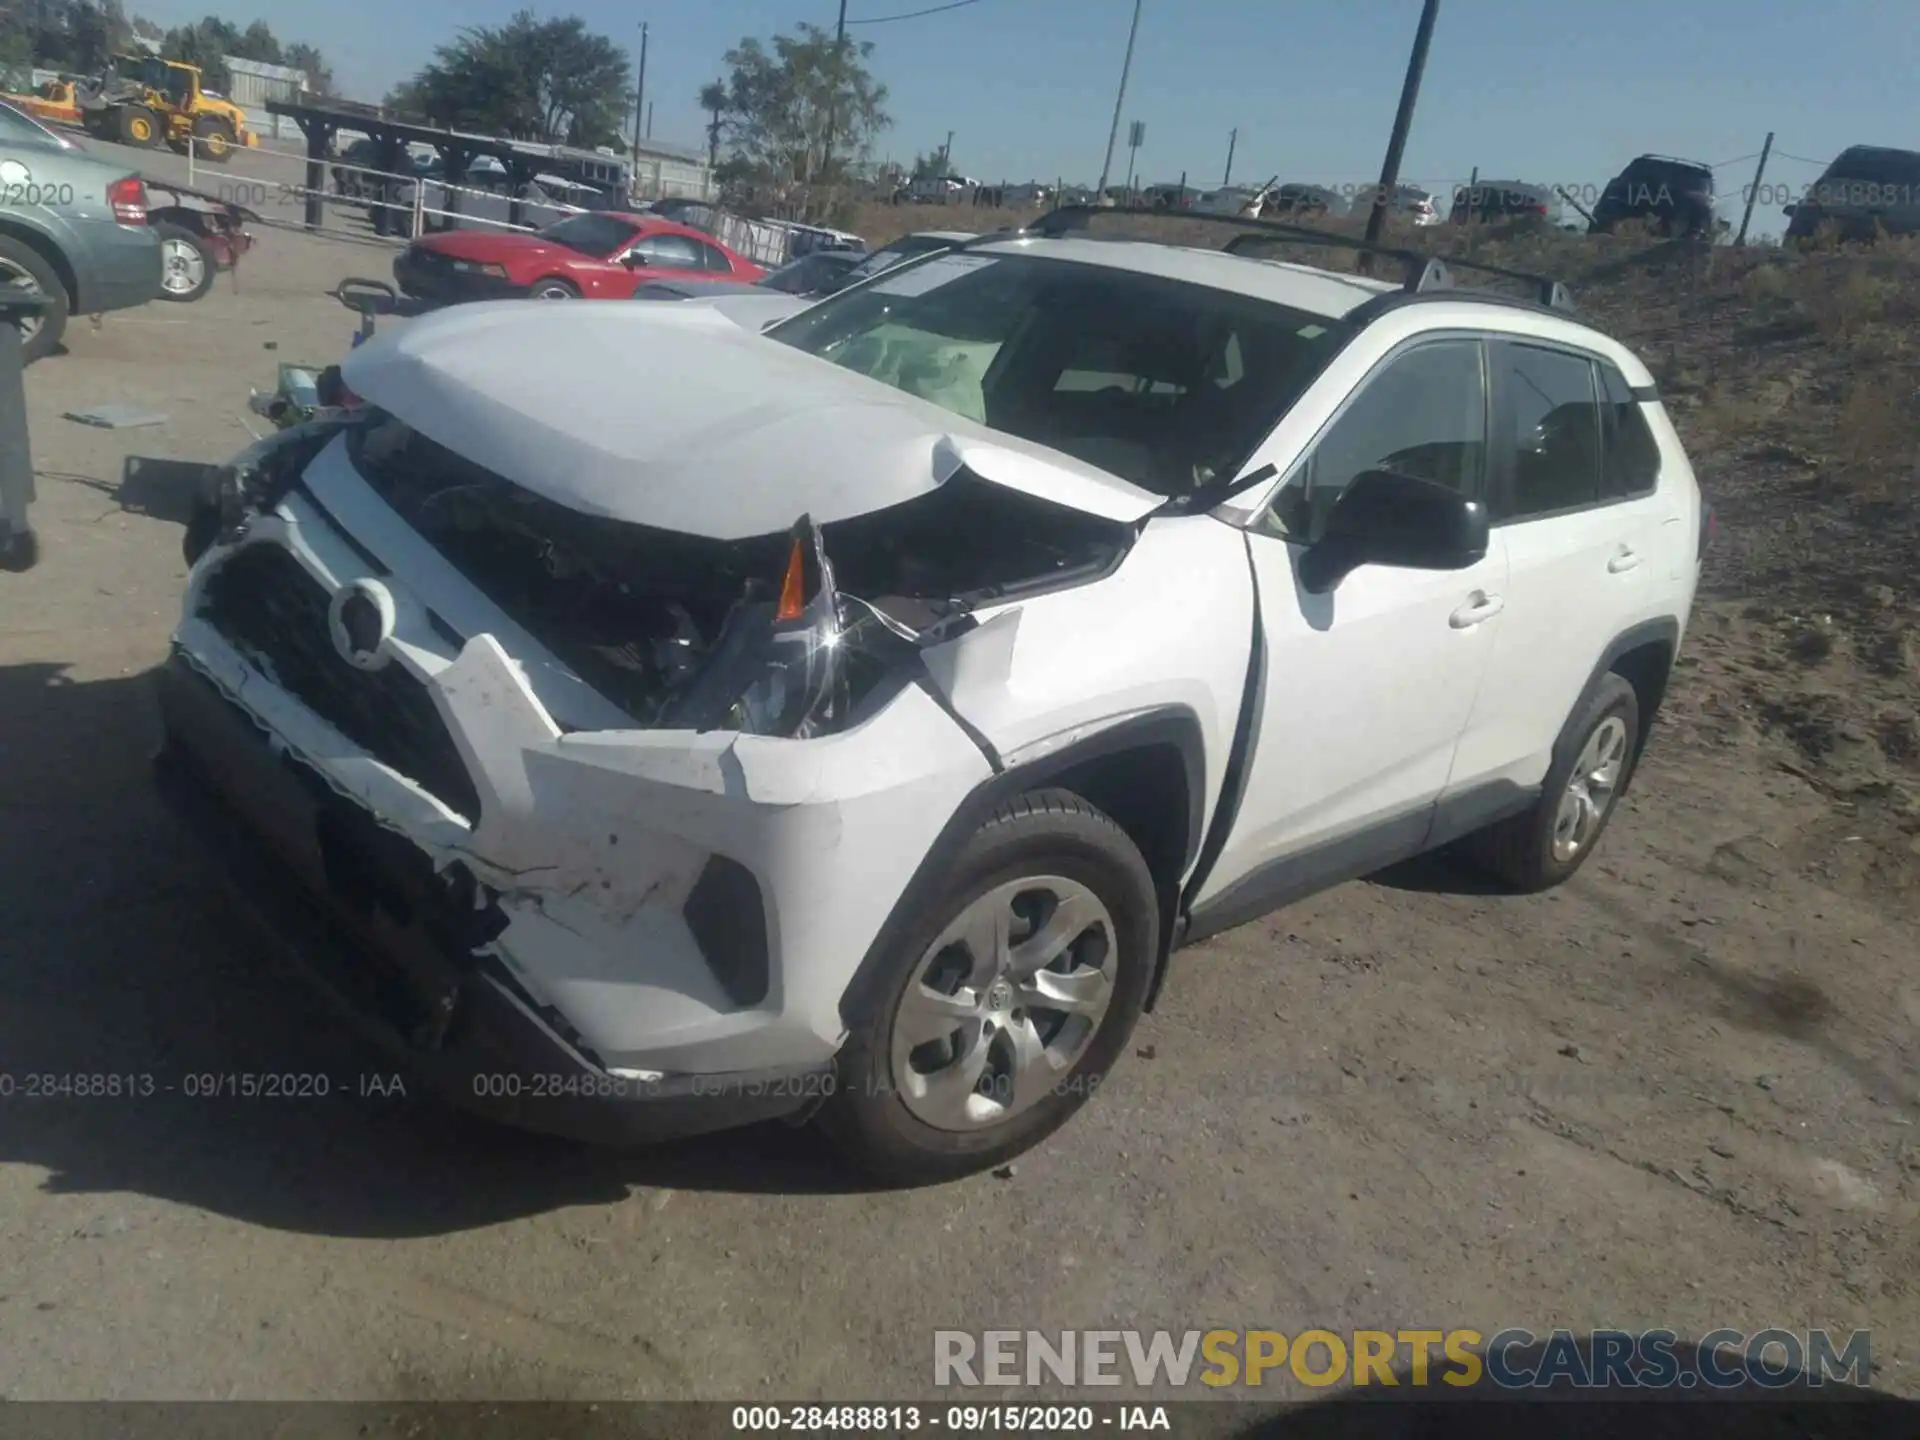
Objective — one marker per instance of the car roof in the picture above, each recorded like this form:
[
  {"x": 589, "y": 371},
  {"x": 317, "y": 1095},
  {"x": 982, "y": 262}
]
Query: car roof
[
  {"x": 1299, "y": 287},
  {"x": 1649, "y": 162}
]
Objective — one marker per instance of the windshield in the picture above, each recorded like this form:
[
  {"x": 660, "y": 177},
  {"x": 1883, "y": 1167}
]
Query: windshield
[
  {"x": 1162, "y": 382},
  {"x": 590, "y": 234}
]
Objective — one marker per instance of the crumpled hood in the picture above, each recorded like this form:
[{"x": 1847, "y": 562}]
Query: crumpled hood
[{"x": 675, "y": 416}]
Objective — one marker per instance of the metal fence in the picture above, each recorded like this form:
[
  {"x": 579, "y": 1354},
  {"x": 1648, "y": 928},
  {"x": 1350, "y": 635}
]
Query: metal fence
[{"x": 417, "y": 210}]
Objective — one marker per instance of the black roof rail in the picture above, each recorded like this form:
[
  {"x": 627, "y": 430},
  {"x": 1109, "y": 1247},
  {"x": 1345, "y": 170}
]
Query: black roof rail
[{"x": 1420, "y": 272}]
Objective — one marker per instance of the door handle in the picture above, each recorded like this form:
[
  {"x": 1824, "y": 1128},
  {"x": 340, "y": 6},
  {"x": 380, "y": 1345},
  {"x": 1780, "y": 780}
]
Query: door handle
[
  {"x": 1480, "y": 606},
  {"x": 1624, "y": 561}
]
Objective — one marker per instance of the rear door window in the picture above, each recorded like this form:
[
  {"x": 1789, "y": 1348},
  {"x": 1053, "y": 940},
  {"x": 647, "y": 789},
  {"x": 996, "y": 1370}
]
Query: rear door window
[{"x": 1552, "y": 432}]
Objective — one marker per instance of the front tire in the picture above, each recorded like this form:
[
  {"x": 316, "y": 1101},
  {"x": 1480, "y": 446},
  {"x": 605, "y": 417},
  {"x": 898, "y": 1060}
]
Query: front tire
[
  {"x": 1003, "y": 1006},
  {"x": 214, "y": 138},
  {"x": 140, "y": 127},
  {"x": 553, "y": 288},
  {"x": 1592, "y": 762}
]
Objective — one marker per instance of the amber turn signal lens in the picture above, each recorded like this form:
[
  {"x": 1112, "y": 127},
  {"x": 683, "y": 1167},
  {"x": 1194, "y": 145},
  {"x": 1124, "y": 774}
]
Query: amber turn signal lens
[{"x": 792, "y": 589}]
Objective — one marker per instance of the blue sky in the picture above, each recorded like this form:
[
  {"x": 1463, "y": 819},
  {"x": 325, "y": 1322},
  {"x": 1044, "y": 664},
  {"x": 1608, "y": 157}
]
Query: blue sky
[{"x": 1528, "y": 89}]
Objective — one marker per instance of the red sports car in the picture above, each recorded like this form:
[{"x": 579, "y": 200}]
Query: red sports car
[{"x": 597, "y": 255}]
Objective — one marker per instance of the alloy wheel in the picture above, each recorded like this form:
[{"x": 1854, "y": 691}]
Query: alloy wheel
[
  {"x": 1590, "y": 788},
  {"x": 183, "y": 267},
  {"x": 1003, "y": 1003},
  {"x": 12, "y": 274}
]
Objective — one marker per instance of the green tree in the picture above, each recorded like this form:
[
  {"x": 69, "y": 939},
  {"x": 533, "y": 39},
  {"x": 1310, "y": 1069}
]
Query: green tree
[
  {"x": 531, "y": 79},
  {"x": 713, "y": 100},
  {"x": 258, "y": 42},
  {"x": 800, "y": 112},
  {"x": 197, "y": 45},
  {"x": 301, "y": 56}
]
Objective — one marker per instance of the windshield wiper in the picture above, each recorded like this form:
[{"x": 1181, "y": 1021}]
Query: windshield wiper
[{"x": 1215, "y": 492}]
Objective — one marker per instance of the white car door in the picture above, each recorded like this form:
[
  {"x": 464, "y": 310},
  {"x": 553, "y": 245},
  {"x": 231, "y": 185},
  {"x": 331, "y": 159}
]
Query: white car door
[
  {"x": 1577, "y": 502},
  {"x": 1367, "y": 687}
]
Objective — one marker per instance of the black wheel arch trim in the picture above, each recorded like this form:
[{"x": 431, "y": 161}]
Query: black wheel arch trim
[
  {"x": 1665, "y": 630},
  {"x": 1174, "y": 725}
]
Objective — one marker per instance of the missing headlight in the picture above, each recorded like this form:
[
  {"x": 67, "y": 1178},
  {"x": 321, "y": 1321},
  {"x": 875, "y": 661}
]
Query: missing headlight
[
  {"x": 253, "y": 482},
  {"x": 790, "y": 661}
]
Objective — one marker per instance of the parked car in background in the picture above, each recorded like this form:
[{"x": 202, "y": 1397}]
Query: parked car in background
[
  {"x": 809, "y": 276},
  {"x": 905, "y": 248},
  {"x": 1672, "y": 196},
  {"x": 1170, "y": 195},
  {"x": 1300, "y": 202},
  {"x": 73, "y": 228},
  {"x": 603, "y": 256},
  {"x": 814, "y": 274},
  {"x": 1227, "y": 200},
  {"x": 1867, "y": 189},
  {"x": 1488, "y": 200},
  {"x": 1415, "y": 204},
  {"x": 486, "y": 196},
  {"x": 932, "y": 190}
]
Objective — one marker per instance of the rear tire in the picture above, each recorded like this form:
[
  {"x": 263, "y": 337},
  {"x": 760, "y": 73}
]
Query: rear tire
[
  {"x": 187, "y": 264},
  {"x": 1592, "y": 762},
  {"x": 21, "y": 263},
  {"x": 1011, "y": 1069}
]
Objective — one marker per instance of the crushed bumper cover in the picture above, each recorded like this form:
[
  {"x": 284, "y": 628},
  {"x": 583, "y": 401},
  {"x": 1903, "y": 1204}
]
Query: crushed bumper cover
[{"x": 384, "y": 939}]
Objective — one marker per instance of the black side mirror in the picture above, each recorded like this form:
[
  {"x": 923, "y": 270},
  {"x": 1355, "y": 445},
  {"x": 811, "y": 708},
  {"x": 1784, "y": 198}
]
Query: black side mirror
[{"x": 1386, "y": 518}]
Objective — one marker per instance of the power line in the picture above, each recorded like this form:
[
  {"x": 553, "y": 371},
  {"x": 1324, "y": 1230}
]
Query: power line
[{"x": 916, "y": 14}]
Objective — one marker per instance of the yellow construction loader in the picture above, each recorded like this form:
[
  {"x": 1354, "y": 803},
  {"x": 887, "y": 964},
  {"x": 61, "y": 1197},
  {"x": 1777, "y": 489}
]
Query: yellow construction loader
[{"x": 144, "y": 100}]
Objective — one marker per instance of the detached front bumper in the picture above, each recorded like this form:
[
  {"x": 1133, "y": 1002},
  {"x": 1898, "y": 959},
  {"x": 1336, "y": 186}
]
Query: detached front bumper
[{"x": 363, "y": 916}]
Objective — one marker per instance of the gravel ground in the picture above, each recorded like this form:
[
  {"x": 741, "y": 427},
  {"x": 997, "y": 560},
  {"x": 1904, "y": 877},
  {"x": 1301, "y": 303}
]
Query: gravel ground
[{"x": 1678, "y": 1092}]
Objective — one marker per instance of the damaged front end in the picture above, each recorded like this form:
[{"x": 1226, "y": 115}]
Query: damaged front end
[
  {"x": 578, "y": 787},
  {"x": 254, "y": 482},
  {"x": 786, "y": 635}
]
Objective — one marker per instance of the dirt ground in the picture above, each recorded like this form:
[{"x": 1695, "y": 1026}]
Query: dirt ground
[{"x": 1679, "y": 1092}]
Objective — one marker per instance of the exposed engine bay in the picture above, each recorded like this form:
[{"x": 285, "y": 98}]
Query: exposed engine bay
[{"x": 781, "y": 634}]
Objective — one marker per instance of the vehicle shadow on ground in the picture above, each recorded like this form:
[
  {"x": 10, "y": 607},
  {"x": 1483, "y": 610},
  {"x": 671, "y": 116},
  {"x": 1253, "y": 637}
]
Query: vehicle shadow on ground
[
  {"x": 162, "y": 489},
  {"x": 1439, "y": 872},
  {"x": 124, "y": 956},
  {"x": 1756, "y": 1406},
  {"x": 156, "y": 488}
]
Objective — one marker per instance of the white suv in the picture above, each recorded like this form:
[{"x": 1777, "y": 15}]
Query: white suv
[{"x": 653, "y": 724}]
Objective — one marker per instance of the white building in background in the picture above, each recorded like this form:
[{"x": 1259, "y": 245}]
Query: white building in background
[{"x": 253, "y": 84}]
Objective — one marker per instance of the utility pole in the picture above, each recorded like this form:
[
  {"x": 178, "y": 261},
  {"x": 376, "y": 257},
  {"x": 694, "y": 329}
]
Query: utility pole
[
  {"x": 1754, "y": 192},
  {"x": 946, "y": 156},
  {"x": 1233, "y": 138},
  {"x": 649, "y": 119},
  {"x": 639, "y": 94},
  {"x": 1113, "y": 132},
  {"x": 1402, "y": 122},
  {"x": 833, "y": 94}
]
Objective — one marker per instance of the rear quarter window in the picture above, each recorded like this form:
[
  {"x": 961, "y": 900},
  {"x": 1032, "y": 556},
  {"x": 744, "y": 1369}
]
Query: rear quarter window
[{"x": 1630, "y": 456}]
